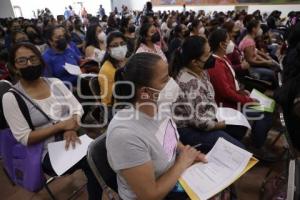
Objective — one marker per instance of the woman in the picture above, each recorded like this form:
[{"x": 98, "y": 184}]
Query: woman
[
  {"x": 19, "y": 37},
  {"x": 176, "y": 38},
  {"x": 95, "y": 43},
  {"x": 128, "y": 29},
  {"x": 114, "y": 59},
  {"x": 262, "y": 66},
  {"x": 196, "y": 109},
  {"x": 58, "y": 55},
  {"x": 146, "y": 165},
  {"x": 239, "y": 64},
  {"x": 196, "y": 28},
  {"x": 148, "y": 37},
  {"x": 55, "y": 100},
  {"x": 36, "y": 38},
  {"x": 78, "y": 34},
  {"x": 228, "y": 93}
]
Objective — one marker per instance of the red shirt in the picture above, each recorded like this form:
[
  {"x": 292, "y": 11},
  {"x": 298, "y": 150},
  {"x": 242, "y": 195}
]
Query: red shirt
[{"x": 223, "y": 82}]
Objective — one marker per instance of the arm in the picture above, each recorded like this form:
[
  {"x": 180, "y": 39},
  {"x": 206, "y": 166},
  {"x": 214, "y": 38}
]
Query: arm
[
  {"x": 142, "y": 179},
  {"x": 89, "y": 52},
  {"x": 224, "y": 87},
  {"x": 250, "y": 58},
  {"x": 20, "y": 127}
]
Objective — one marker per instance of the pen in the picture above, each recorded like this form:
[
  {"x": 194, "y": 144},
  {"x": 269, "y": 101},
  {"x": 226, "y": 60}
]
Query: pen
[{"x": 197, "y": 145}]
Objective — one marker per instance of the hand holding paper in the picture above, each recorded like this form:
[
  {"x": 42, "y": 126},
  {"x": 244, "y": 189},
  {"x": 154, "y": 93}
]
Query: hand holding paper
[
  {"x": 62, "y": 159},
  {"x": 232, "y": 117},
  {"x": 266, "y": 103}
]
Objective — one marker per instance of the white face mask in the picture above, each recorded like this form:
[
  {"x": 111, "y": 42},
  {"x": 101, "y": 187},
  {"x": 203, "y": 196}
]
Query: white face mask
[
  {"x": 166, "y": 97},
  {"x": 260, "y": 32},
  {"x": 202, "y": 30},
  {"x": 119, "y": 53},
  {"x": 174, "y": 24},
  {"x": 230, "y": 47},
  {"x": 101, "y": 37}
]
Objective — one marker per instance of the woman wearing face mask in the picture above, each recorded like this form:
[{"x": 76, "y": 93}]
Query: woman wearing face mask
[
  {"x": 196, "y": 28},
  {"x": 189, "y": 68},
  {"x": 78, "y": 35},
  {"x": 36, "y": 38},
  {"x": 148, "y": 37},
  {"x": 262, "y": 67},
  {"x": 229, "y": 94},
  {"x": 95, "y": 43},
  {"x": 128, "y": 29},
  {"x": 147, "y": 166},
  {"x": 114, "y": 59},
  {"x": 51, "y": 96},
  {"x": 239, "y": 64},
  {"x": 58, "y": 55}
]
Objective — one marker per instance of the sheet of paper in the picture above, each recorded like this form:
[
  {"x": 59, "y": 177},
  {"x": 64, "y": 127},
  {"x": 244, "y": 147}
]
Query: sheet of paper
[
  {"x": 266, "y": 104},
  {"x": 232, "y": 117},
  {"x": 72, "y": 69},
  {"x": 61, "y": 159},
  {"x": 226, "y": 162}
]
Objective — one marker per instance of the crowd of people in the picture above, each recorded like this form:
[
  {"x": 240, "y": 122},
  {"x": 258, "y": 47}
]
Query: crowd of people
[{"x": 168, "y": 70}]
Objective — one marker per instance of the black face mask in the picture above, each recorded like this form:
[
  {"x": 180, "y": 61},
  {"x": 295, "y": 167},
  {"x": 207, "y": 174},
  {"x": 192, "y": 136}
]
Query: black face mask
[
  {"x": 155, "y": 37},
  {"x": 61, "y": 44},
  {"x": 31, "y": 73},
  {"x": 131, "y": 29},
  {"x": 210, "y": 63}
]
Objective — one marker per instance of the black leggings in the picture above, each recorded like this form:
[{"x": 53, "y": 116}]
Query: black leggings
[{"x": 93, "y": 187}]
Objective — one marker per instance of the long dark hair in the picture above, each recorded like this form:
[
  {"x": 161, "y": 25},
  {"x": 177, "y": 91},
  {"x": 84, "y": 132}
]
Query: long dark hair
[
  {"x": 138, "y": 71},
  {"x": 143, "y": 34},
  {"x": 192, "y": 48},
  {"x": 216, "y": 37},
  {"x": 91, "y": 38},
  {"x": 27, "y": 45},
  {"x": 111, "y": 36}
]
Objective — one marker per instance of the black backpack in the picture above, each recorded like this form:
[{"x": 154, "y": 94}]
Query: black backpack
[{"x": 6, "y": 86}]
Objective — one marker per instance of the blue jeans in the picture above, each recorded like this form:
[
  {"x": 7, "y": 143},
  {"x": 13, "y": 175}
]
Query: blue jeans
[
  {"x": 260, "y": 127},
  {"x": 263, "y": 74},
  {"x": 193, "y": 136}
]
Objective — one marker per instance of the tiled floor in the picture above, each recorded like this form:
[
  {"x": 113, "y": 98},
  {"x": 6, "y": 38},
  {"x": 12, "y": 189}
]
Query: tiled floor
[{"x": 247, "y": 186}]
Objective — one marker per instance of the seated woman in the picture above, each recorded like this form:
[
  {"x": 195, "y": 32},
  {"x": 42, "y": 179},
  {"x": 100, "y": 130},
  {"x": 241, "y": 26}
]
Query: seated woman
[
  {"x": 114, "y": 59},
  {"x": 195, "y": 109},
  {"x": 236, "y": 57},
  {"x": 19, "y": 37},
  {"x": 262, "y": 66},
  {"x": 95, "y": 43},
  {"x": 228, "y": 93},
  {"x": 148, "y": 37},
  {"x": 55, "y": 100},
  {"x": 146, "y": 165},
  {"x": 78, "y": 35},
  {"x": 58, "y": 55},
  {"x": 36, "y": 38}
]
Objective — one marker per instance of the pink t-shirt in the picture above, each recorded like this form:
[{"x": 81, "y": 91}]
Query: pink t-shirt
[
  {"x": 158, "y": 51},
  {"x": 247, "y": 42}
]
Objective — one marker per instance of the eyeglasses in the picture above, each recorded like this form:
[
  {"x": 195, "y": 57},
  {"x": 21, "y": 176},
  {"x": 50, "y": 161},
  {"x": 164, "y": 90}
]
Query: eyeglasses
[
  {"x": 117, "y": 45},
  {"x": 24, "y": 60}
]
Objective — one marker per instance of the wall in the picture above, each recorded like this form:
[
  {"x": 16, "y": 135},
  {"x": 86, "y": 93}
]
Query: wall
[
  {"x": 57, "y": 7},
  {"x": 139, "y": 4},
  {"x": 6, "y": 9}
]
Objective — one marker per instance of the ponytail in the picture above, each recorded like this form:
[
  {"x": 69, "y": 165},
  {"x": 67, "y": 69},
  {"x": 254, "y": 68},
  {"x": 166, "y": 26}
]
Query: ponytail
[{"x": 176, "y": 63}]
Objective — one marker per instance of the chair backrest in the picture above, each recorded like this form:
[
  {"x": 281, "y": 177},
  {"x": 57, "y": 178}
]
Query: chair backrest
[
  {"x": 95, "y": 88},
  {"x": 97, "y": 159},
  {"x": 4, "y": 87}
]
